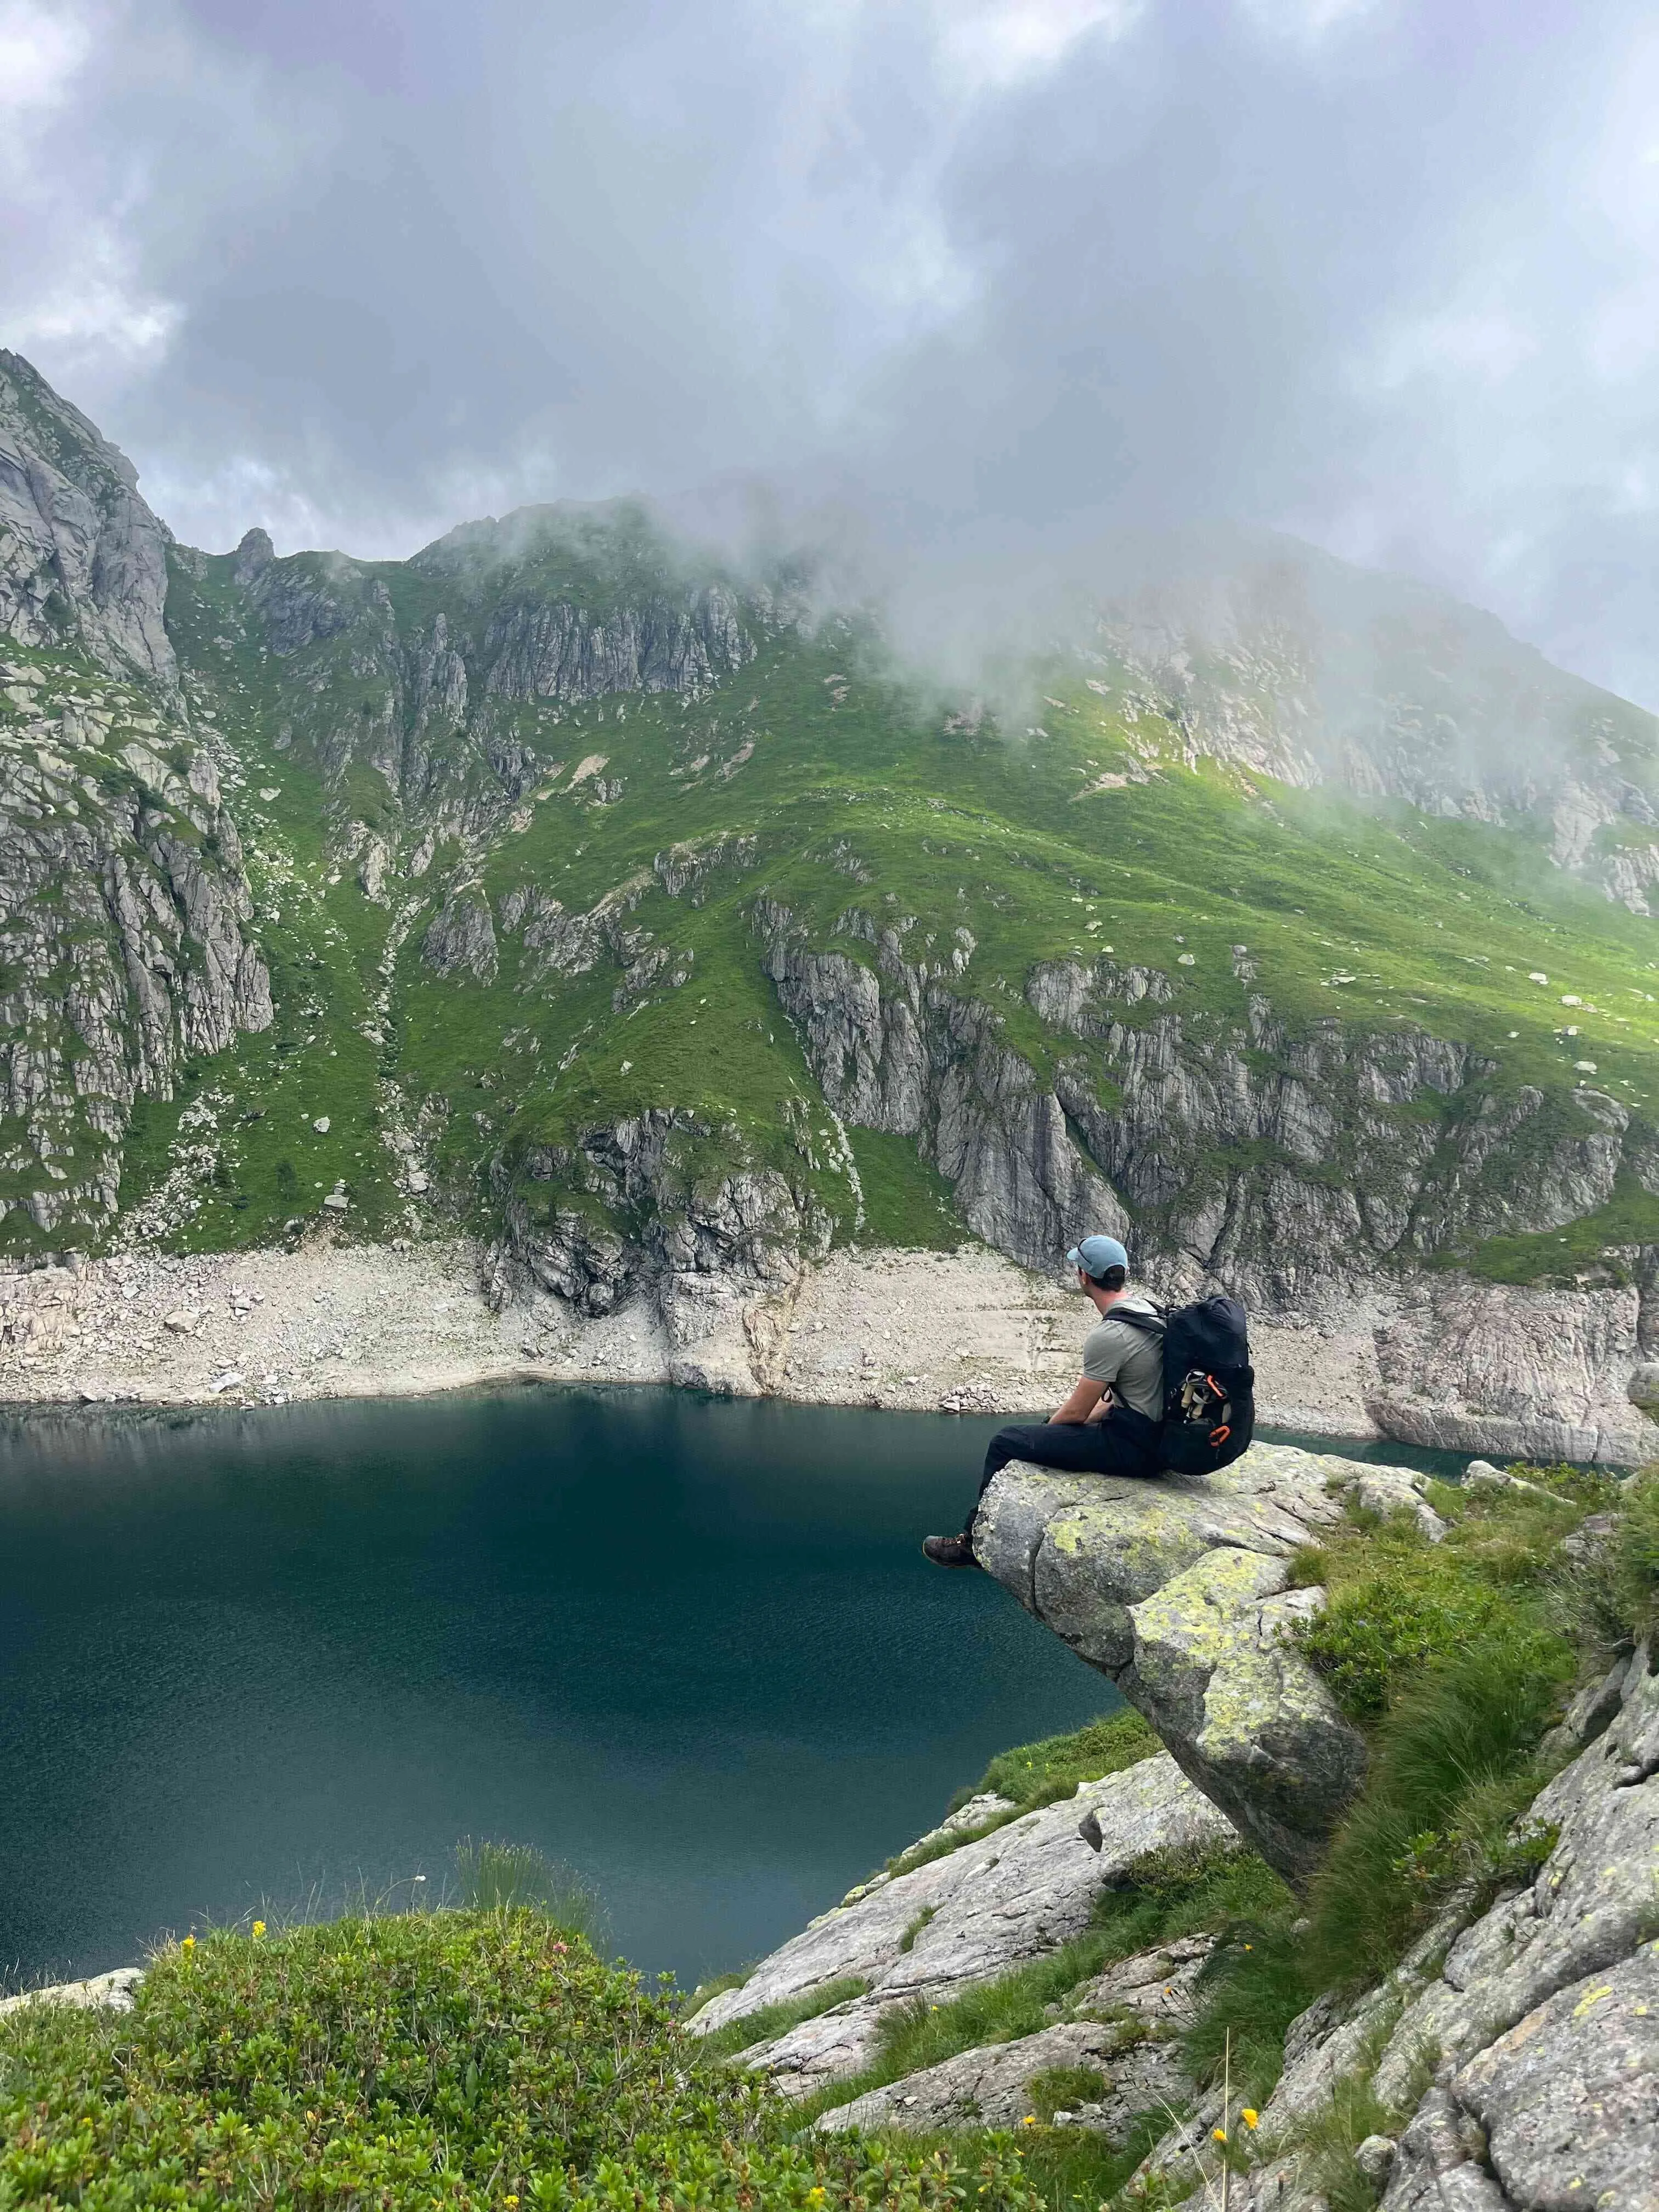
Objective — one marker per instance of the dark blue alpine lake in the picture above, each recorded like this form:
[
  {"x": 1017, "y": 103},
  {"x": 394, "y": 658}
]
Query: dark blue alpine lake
[{"x": 256, "y": 1660}]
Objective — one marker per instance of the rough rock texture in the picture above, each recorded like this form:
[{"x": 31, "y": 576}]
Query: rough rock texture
[
  {"x": 1537, "y": 2018},
  {"x": 899, "y": 1044},
  {"x": 1594, "y": 1903},
  {"x": 461, "y": 938},
  {"x": 267, "y": 1327},
  {"x": 969, "y": 1915},
  {"x": 1122, "y": 2023},
  {"x": 112, "y": 1991},
  {"x": 988, "y": 2087},
  {"x": 897, "y": 1049},
  {"x": 1178, "y": 1589},
  {"x": 82, "y": 560},
  {"x": 707, "y": 1250},
  {"x": 124, "y": 948}
]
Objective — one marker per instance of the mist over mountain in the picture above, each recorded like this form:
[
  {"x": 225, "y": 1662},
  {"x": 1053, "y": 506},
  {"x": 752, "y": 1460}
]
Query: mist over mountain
[
  {"x": 644, "y": 914},
  {"x": 986, "y": 274}
]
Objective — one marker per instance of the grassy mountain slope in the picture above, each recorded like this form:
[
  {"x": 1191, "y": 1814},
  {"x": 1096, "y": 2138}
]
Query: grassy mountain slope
[{"x": 523, "y": 821}]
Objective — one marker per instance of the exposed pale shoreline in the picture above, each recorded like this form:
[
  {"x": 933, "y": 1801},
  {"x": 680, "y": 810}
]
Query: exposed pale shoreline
[{"x": 966, "y": 1331}]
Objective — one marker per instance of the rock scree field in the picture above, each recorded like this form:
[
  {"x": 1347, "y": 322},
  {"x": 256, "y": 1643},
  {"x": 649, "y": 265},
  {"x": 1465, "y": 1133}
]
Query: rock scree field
[{"x": 1296, "y": 928}]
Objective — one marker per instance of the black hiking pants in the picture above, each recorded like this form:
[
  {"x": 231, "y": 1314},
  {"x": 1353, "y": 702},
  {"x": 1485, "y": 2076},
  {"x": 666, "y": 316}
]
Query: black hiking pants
[{"x": 1125, "y": 1442}]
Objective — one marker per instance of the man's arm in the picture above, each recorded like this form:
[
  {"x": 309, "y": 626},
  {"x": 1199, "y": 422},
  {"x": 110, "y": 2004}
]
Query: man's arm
[{"x": 1086, "y": 1394}]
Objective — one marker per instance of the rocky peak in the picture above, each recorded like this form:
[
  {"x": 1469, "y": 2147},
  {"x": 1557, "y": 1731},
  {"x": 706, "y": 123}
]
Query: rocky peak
[
  {"x": 253, "y": 557},
  {"x": 82, "y": 560}
]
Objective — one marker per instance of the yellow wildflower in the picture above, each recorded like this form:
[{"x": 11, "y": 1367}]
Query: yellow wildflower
[
  {"x": 1249, "y": 2116},
  {"x": 512, "y": 2200},
  {"x": 1029, "y": 2121},
  {"x": 189, "y": 1944},
  {"x": 815, "y": 2196},
  {"x": 1218, "y": 2134},
  {"x": 258, "y": 1927}
]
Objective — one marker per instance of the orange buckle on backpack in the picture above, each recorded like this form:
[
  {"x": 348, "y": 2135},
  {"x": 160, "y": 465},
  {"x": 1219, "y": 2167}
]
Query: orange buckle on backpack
[{"x": 1221, "y": 1435}]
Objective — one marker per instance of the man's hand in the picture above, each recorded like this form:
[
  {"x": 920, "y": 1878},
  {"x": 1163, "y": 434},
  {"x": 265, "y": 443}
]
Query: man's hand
[{"x": 1085, "y": 1398}]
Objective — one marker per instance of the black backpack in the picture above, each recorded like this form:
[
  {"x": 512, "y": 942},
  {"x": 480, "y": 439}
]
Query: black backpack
[{"x": 1209, "y": 1385}]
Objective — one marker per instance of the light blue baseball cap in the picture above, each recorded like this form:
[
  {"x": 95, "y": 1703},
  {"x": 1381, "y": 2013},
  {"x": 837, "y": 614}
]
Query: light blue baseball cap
[{"x": 1095, "y": 1255}]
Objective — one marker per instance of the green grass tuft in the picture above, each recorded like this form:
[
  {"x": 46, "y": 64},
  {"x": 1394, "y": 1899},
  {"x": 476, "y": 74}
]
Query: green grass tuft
[
  {"x": 1170, "y": 1893},
  {"x": 774, "y": 2020},
  {"x": 495, "y": 1877},
  {"x": 1042, "y": 1773}
]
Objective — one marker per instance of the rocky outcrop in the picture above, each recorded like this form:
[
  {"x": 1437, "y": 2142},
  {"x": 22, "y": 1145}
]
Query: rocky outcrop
[
  {"x": 461, "y": 939},
  {"x": 1291, "y": 1167},
  {"x": 894, "y": 1048},
  {"x": 111, "y": 1992},
  {"x": 1538, "y": 2019},
  {"x": 707, "y": 1249},
  {"x": 1127, "y": 2045},
  {"x": 125, "y": 949},
  {"x": 82, "y": 560},
  {"x": 1179, "y": 1591},
  {"x": 963, "y": 1918},
  {"x": 535, "y": 649},
  {"x": 1270, "y": 1159}
]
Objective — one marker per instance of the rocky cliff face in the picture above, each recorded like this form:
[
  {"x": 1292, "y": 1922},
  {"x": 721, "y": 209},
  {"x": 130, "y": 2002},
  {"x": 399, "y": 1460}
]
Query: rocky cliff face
[
  {"x": 82, "y": 560},
  {"x": 1287, "y": 1165},
  {"x": 1179, "y": 1591},
  {"x": 1511, "y": 2053},
  {"x": 125, "y": 950}
]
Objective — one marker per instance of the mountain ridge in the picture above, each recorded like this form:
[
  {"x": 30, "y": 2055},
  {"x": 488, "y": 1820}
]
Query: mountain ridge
[{"x": 617, "y": 909}]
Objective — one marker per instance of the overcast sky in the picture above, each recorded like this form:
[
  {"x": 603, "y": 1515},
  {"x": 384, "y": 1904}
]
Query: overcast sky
[{"x": 1381, "y": 273}]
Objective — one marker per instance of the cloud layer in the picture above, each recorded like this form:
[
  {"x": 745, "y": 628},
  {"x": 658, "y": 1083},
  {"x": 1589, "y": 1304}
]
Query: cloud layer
[{"x": 983, "y": 273}]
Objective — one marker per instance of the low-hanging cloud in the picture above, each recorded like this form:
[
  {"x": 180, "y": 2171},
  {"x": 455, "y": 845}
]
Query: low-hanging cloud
[{"x": 995, "y": 277}]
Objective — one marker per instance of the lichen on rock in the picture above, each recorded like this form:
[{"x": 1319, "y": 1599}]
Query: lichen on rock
[{"x": 1180, "y": 1590}]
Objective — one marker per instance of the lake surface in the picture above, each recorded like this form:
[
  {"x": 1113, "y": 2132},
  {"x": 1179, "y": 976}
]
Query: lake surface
[{"x": 690, "y": 1646}]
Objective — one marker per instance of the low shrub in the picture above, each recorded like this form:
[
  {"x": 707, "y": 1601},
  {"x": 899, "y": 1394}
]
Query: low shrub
[
  {"x": 1068, "y": 2169},
  {"x": 1396, "y": 1603},
  {"x": 444, "y": 2061}
]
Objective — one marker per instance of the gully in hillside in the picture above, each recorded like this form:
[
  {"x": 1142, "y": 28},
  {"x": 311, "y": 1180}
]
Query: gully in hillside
[{"x": 1110, "y": 1423}]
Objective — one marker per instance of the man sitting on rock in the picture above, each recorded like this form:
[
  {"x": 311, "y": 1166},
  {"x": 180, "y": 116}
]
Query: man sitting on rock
[{"x": 1111, "y": 1423}]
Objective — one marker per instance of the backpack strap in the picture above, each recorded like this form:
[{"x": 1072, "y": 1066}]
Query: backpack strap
[{"x": 1149, "y": 1324}]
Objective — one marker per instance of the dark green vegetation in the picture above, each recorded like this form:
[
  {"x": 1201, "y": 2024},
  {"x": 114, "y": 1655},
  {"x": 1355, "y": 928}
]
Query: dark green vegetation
[
  {"x": 423, "y": 2060},
  {"x": 855, "y": 792},
  {"x": 495, "y": 1877}
]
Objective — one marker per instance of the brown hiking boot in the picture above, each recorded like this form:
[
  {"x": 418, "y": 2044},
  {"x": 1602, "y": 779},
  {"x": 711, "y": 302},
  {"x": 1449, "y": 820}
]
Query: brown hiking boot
[{"x": 950, "y": 1551}]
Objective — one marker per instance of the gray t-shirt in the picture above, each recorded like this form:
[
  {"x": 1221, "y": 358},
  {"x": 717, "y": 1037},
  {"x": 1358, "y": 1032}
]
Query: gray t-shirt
[{"x": 1128, "y": 1359}]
